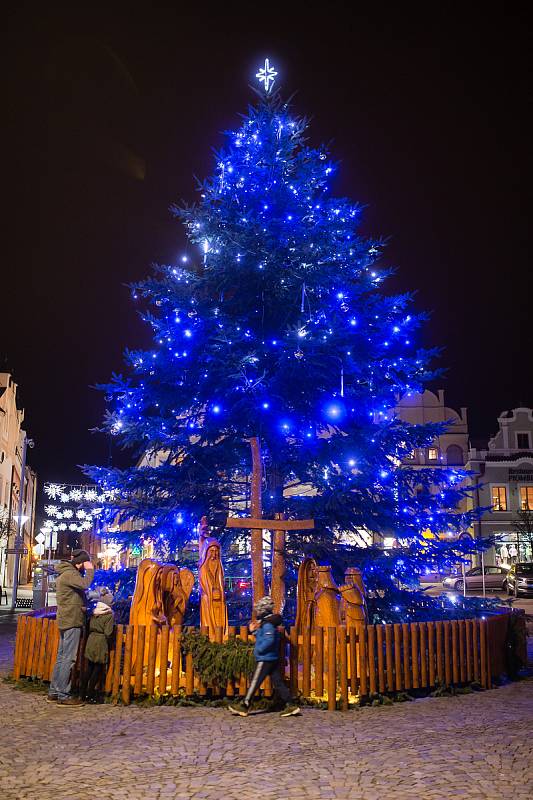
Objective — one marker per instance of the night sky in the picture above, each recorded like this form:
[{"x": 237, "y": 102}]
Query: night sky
[{"x": 109, "y": 115}]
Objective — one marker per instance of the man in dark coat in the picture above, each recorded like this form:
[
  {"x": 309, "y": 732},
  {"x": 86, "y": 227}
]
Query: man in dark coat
[{"x": 71, "y": 606}]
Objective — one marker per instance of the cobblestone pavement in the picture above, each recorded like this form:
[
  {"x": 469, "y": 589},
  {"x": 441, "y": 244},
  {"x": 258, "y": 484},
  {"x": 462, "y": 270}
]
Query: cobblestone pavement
[{"x": 472, "y": 746}]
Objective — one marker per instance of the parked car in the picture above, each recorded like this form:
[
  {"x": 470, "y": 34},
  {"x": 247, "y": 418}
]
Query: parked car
[
  {"x": 495, "y": 579},
  {"x": 520, "y": 578}
]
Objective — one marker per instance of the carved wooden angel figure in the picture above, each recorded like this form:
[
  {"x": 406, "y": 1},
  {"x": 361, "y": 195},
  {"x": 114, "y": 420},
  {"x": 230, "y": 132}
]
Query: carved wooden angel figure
[{"x": 213, "y": 610}]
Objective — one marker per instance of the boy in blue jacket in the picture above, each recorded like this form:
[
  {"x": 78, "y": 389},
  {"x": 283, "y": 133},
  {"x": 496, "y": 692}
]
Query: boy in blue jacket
[{"x": 266, "y": 654}]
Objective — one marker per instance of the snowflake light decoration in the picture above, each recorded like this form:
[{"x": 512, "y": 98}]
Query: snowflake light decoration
[
  {"x": 69, "y": 506},
  {"x": 53, "y": 490}
]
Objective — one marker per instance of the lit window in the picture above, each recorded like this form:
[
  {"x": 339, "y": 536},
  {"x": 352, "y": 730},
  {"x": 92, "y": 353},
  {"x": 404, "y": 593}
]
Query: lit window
[
  {"x": 522, "y": 441},
  {"x": 526, "y": 498},
  {"x": 433, "y": 454},
  {"x": 499, "y": 498}
]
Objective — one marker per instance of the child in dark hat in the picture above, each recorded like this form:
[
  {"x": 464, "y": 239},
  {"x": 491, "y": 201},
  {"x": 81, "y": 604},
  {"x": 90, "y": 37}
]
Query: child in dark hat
[
  {"x": 101, "y": 626},
  {"x": 266, "y": 652}
]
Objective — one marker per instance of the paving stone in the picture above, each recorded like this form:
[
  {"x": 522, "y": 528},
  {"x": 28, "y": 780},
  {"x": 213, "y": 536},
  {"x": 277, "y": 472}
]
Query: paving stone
[{"x": 476, "y": 747}]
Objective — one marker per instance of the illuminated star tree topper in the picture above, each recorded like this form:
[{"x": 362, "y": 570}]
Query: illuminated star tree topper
[{"x": 267, "y": 76}]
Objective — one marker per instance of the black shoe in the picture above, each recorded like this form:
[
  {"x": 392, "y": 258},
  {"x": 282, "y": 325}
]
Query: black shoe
[{"x": 52, "y": 698}]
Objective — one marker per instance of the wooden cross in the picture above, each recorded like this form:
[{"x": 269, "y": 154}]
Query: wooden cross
[
  {"x": 256, "y": 524},
  {"x": 279, "y": 528}
]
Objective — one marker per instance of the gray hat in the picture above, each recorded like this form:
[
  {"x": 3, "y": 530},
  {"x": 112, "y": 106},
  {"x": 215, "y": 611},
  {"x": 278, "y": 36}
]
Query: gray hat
[
  {"x": 264, "y": 606},
  {"x": 105, "y": 596}
]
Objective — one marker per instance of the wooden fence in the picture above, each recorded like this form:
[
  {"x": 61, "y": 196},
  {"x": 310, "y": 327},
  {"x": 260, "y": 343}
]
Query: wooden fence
[{"x": 336, "y": 665}]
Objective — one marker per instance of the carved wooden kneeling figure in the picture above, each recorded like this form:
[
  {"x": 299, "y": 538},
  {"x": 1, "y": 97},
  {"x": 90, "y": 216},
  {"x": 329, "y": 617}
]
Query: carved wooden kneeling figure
[
  {"x": 161, "y": 596},
  {"x": 353, "y": 603},
  {"x": 327, "y": 599}
]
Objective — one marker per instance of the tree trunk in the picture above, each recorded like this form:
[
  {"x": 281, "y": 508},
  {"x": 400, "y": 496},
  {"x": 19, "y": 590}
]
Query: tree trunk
[
  {"x": 256, "y": 541},
  {"x": 278, "y": 568},
  {"x": 278, "y": 543}
]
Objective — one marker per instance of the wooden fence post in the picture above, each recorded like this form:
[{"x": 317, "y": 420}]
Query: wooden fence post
[
  {"x": 31, "y": 644},
  {"x": 422, "y": 629},
  {"x": 414, "y": 654},
  {"x": 475, "y": 649},
  {"x": 293, "y": 661},
  {"x": 431, "y": 652},
  {"x": 230, "y": 687},
  {"x": 332, "y": 669},
  {"x": 189, "y": 675},
  {"x": 363, "y": 660},
  {"x": 455, "y": 651},
  {"x": 469, "y": 673},
  {"x": 485, "y": 681},
  {"x": 389, "y": 658},
  {"x": 176, "y": 660},
  {"x": 42, "y": 650},
  {"x": 406, "y": 656},
  {"x": 163, "y": 659},
  {"x": 34, "y": 659},
  {"x": 462, "y": 654},
  {"x": 53, "y": 650},
  {"x": 371, "y": 633},
  {"x": 139, "y": 659},
  {"x": 319, "y": 661},
  {"x": 398, "y": 656},
  {"x": 352, "y": 639},
  {"x": 343, "y": 645},
  {"x": 19, "y": 646},
  {"x": 202, "y": 685},
  {"x": 219, "y": 638},
  {"x": 128, "y": 653},
  {"x": 381, "y": 665},
  {"x": 115, "y": 687},
  {"x": 152, "y": 655},
  {"x": 447, "y": 653},
  {"x": 306, "y": 666},
  {"x": 243, "y": 680}
]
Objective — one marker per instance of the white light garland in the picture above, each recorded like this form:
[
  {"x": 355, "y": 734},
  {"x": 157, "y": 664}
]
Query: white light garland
[{"x": 67, "y": 506}]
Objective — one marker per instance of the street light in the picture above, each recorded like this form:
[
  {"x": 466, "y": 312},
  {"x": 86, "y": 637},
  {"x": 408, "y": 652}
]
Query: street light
[{"x": 21, "y": 519}]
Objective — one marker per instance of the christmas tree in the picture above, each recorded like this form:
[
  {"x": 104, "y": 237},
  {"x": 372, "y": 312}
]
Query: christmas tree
[{"x": 279, "y": 331}]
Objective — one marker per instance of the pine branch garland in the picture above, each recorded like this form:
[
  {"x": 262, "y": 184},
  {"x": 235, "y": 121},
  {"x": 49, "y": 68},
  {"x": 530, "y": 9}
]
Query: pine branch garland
[{"x": 218, "y": 662}]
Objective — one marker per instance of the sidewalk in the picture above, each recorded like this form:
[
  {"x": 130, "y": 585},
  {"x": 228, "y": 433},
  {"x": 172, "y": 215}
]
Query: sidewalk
[{"x": 473, "y": 747}]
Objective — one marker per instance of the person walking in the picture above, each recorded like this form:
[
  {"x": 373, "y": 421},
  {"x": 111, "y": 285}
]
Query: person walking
[
  {"x": 266, "y": 652},
  {"x": 101, "y": 626},
  {"x": 71, "y": 607}
]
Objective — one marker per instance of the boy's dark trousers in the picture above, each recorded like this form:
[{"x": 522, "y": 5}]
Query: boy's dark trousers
[
  {"x": 92, "y": 679},
  {"x": 262, "y": 670}
]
